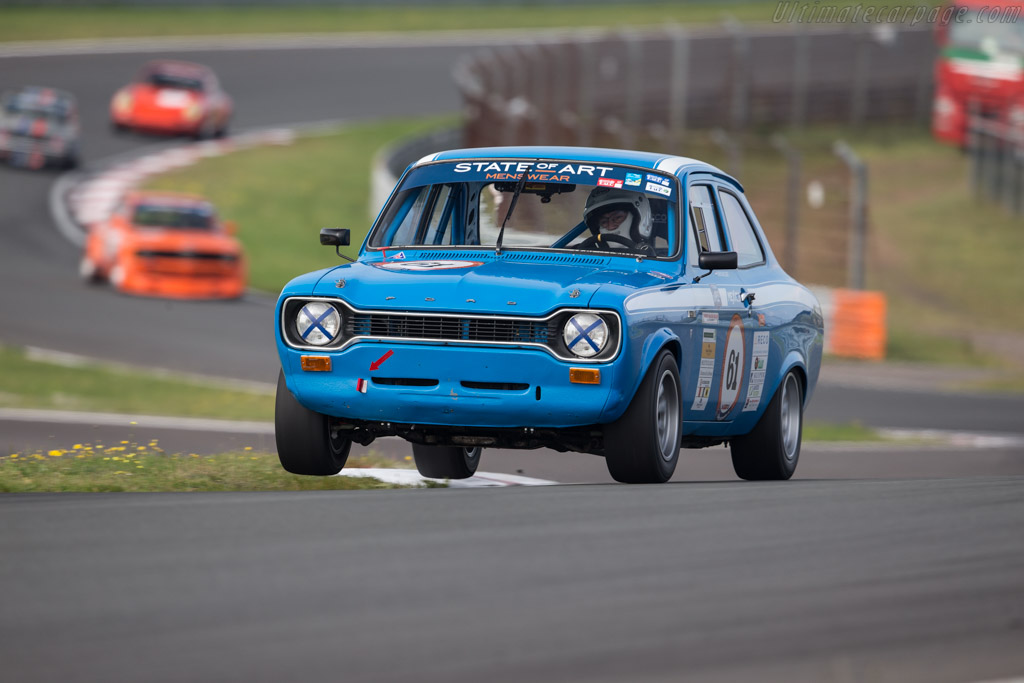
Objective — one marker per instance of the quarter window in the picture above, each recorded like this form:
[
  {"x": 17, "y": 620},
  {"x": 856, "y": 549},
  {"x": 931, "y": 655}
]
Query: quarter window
[
  {"x": 705, "y": 221},
  {"x": 741, "y": 232}
]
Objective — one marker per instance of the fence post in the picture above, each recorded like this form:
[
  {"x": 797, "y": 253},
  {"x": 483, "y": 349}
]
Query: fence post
[
  {"x": 793, "y": 163},
  {"x": 732, "y": 149},
  {"x": 974, "y": 170},
  {"x": 678, "y": 87},
  {"x": 859, "y": 92},
  {"x": 634, "y": 87},
  {"x": 740, "y": 96},
  {"x": 585, "y": 104},
  {"x": 858, "y": 213},
  {"x": 801, "y": 68}
]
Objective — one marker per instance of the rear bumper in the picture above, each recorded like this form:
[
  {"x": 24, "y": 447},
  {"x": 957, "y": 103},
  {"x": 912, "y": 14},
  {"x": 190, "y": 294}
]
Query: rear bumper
[{"x": 454, "y": 386}]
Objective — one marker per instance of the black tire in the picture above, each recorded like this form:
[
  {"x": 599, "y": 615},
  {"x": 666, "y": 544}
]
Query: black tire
[
  {"x": 304, "y": 441},
  {"x": 642, "y": 446},
  {"x": 772, "y": 449},
  {"x": 118, "y": 128},
  {"x": 446, "y": 462}
]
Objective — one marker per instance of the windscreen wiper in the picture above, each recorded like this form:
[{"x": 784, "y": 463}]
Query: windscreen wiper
[{"x": 511, "y": 208}]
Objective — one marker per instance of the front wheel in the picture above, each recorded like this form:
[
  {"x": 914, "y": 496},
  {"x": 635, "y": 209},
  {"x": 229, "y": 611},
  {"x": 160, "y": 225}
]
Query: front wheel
[
  {"x": 306, "y": 442},
  {"x": 771, "y": 450},
  {"x": 642, "y": 446},
  {"x": 446, "y": 462}
]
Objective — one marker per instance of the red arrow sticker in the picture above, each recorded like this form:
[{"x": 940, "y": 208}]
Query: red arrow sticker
[{"x": 380, "y": 361}]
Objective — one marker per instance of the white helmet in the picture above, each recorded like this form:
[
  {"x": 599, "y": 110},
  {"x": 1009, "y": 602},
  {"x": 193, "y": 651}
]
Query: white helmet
[{"x": 637, "y": 225}]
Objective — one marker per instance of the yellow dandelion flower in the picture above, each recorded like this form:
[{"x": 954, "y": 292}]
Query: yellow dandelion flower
[
  {"x": 248, "y": 448},
  {"x": 77, "y": 447},
  {"x": 123, "y": 472},
  {"x": 106, "y": 458},
  {"x": 408, "y": 457},
  {"x": 55, "y": 453},
  {"x": 124, "y": 442},
  {"x": 14, "y": 456},
  {"x": 141, "y": 448},
  {"x": 133, "y": 422},
  {"x": 194, "y": 455},
  {"x": 254, "y": 458}
]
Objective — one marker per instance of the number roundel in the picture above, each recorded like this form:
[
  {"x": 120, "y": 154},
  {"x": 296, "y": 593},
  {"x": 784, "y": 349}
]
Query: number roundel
[{"x": 732, "y": 368}]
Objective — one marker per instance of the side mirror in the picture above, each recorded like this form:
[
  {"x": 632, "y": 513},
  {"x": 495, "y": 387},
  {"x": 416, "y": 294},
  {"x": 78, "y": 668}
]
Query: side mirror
[
  {"x": 334, "y": 237},
  {"x": 231, "y": 227},
  {"x": 718, "y": 260}
]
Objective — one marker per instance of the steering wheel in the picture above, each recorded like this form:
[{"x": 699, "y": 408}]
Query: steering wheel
[{"x": 601, "y": 242}]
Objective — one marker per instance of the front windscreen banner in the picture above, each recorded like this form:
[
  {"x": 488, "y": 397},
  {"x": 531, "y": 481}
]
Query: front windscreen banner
[
  {"x": 612, "y": 209},
  {"x": 594, "y": 175}
]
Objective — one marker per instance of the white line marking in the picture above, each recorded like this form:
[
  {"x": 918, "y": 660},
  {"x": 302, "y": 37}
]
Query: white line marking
[{"x": 413, "y": 478}]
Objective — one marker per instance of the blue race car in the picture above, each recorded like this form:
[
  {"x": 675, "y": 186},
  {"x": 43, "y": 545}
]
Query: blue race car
[
  {"x": 619, "y": 303},
  {"x": 39, "y": 127}
]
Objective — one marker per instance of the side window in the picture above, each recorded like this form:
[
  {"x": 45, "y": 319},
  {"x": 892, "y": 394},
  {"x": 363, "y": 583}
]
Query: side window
[
  {"x": 741, "y": 232},
  {"x": 705, "y": 221}
]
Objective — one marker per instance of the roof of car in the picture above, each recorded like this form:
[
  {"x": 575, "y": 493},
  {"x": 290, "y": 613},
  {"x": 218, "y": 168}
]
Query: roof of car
[
  {"x": 656, "y": 162},
  {"x": 177, "y": 67}
]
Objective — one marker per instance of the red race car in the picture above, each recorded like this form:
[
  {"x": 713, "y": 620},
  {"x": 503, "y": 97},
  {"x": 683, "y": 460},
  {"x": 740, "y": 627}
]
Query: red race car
[
  {"x": 177, "y": 98},
  {"x": 166, "y": 245}
]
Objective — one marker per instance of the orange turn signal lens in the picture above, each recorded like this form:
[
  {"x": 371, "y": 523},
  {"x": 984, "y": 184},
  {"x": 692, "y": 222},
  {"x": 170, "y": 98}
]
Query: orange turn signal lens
[
  {"x": 316, "y": 363},
  {"x": 584, "y": 375}
]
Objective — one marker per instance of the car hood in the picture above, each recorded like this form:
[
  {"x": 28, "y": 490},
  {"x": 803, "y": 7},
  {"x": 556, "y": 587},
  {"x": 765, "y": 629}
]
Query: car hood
[{"x": 495, "y": 286}]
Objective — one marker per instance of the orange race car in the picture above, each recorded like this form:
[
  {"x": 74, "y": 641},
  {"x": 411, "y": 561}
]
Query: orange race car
[
  {"x": 179, "y": 98},
  {"x": 167, "y": 245}
]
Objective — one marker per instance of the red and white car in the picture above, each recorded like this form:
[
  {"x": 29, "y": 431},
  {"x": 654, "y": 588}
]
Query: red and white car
[{"x": 173, "y": 97}]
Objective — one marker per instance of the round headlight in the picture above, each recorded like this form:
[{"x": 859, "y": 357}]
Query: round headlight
[
  {"x": 585, "y": 334},
  {"x": 318, "y": 323}
]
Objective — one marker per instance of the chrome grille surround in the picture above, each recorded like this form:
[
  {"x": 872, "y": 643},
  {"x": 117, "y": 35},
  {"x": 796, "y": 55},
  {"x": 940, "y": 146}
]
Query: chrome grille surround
[{"x": 451, "y": 328}]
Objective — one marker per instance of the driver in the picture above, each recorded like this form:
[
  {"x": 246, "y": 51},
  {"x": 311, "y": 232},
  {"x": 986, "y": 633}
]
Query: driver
[{"x": 612, "y": 211}]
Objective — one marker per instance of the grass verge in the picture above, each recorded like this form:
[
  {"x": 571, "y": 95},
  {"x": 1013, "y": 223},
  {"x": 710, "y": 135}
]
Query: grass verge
[
  {"x": 28, "y": 383},
  {"x": 108, "y": 21},
  {"x": 282, "y": 196},
  {"x": 133, "y": 467},
  {"x": 849, "y": 431}
]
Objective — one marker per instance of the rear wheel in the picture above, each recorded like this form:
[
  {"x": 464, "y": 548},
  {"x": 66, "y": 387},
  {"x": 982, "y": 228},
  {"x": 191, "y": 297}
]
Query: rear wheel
[
  {"x": 307, "y": 441},
  {"x": 446, "y": 462},
  {"x": 642, "y": 446},
  {"x": 772, "y": 450}
]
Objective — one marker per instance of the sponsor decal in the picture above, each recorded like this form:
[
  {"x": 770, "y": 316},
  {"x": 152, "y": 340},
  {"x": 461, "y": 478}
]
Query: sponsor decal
[
  {"x": 400, "y": 256},
  {"x": 361, "y": 386},
  {"x": 375, "y": 365},
  {"x": 758, "y": 368},
  {"x": 609, "y": 182},
  {"x": 513, "y": 169},
  {"x": 658, "y": 189},
  {"x": 421, "y": 266},
  {"x": 707, "y": 369},
  {"x": 634, "y": 179},
  {"x": 658, "y": 179},
  {"x": 733, "y": 361},
  {"x": 760, "y": 319},
  {"x": 715, "y": 295},
  {"x": 709, "y": 317}
]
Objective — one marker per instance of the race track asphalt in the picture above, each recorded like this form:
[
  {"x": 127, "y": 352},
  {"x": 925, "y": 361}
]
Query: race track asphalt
[{"x": 875, "y": 565}]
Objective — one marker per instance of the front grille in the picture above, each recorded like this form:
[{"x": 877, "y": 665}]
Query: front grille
[
  {"x": 198, "y": 256},
  {"x": 497, "y": 386},
  {"x": 455, "y": 328}
]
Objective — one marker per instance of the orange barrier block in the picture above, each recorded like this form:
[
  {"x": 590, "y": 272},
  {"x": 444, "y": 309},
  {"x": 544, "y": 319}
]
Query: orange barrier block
[{"x": 857, "y": 327}]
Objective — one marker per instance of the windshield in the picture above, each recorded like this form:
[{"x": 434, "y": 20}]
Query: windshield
[
  {"x": 177, "y": 217},
  {"x": 616, "y": 210},
  {"x": 165, "y": 80},
  {"x": 987, "y": 31},
  {"x": 28, "y": 107}
]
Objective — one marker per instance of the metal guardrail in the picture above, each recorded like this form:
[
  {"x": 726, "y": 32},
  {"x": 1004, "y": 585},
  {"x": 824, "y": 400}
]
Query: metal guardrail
[{"x": 996, "y": 162}]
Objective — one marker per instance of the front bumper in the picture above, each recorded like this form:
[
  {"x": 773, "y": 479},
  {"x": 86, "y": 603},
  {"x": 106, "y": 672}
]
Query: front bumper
[
  {"x": 453, "y": 386},
  {"x": 182, "y": 287}
]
